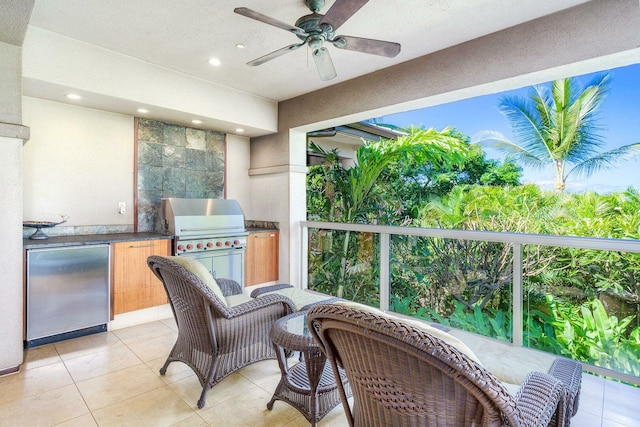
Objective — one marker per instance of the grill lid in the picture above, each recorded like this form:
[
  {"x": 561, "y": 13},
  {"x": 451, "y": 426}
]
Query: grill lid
[{"x": 201, "y": 217}]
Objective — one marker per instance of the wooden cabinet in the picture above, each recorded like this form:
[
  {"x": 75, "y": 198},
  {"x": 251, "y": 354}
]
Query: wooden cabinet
[
  {"x": 133, "y": 284},
  {"x": 261, "y": 258}
]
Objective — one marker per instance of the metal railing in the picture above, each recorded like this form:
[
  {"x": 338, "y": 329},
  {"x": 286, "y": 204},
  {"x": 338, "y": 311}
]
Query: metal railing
[{"x": 517, "y": 240}]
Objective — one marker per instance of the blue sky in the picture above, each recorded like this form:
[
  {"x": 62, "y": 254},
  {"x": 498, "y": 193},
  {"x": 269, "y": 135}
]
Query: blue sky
[{"x": 619, "y": 119}]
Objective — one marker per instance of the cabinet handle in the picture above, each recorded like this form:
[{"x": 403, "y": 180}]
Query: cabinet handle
[
  {"x": 142, "y": 246},
  {"x": 262, "y": 236}
]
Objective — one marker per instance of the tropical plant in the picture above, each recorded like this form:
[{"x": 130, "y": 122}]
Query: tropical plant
[
  {"x": 589, "y": 334},
  {"x": 352, "y": 195},
  {"x": 559, "y": 127}
]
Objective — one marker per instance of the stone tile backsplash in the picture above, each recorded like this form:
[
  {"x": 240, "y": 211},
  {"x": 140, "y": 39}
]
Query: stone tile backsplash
[{"x": 176, "y": 161}]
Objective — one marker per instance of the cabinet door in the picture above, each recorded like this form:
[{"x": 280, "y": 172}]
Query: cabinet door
[
  {"x": 134, "y": 285},
  {"x": 262, "y": 258}
]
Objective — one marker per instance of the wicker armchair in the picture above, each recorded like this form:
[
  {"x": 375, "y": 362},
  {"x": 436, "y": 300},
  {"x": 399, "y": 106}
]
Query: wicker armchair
[
  {"x": 400, "y": 375},
  {"x": 215, "y": 338}
]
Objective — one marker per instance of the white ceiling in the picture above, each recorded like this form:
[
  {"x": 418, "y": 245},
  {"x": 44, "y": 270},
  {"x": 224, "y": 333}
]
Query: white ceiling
[{"x": 183, "y": 35}]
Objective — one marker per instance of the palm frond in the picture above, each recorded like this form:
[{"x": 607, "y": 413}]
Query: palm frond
[
  {"x": 529, "y": 131},
  {"x": 500, "y": 142},
  {"x": 606, "y": 160}
]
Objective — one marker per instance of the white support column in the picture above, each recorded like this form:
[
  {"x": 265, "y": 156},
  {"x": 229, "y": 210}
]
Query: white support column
[
  {"x": 304, "y": 257},
  {"x": 12, "y": 138}
]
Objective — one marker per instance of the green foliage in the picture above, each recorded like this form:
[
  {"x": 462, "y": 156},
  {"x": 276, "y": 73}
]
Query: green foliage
[
  {"x": 587, "y": 333},
  {"x": 353, "y": 195},
  {"x": 414, "y": 184},
  {"x": 488, "y": 322}
]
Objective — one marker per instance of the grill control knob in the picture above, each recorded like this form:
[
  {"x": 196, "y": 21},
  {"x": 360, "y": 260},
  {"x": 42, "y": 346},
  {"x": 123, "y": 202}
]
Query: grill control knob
[
  {"x": 199, "y": 246},
  {"x": 227, "y": 243},
  {"x": 236, "y": 242},
  {"x": 189, "y": 246},
  {"x": 180, "y": 248},
  {"x": 209, "y": 245},
  {"x": 218, "y": 244}
]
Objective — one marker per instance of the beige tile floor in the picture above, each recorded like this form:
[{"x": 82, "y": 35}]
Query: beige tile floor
[{"x": 112, "y": 379}]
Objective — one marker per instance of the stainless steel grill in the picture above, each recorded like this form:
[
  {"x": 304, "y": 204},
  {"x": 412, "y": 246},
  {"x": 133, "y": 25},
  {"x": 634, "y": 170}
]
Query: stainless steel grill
[{"x": 211, "y": 231}]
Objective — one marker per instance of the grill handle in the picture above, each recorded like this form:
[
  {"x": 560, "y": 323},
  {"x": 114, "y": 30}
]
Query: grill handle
[{"x": 186, "y": 230}]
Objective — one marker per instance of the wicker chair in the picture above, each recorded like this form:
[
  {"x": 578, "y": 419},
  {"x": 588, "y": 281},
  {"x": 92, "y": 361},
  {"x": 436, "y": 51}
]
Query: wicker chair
[
  {"x": 215, "y": 338},
  {"x": 400, "y": 375}
]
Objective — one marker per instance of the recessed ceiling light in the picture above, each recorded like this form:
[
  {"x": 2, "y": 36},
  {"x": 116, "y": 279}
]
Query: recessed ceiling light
[
  {"x": 73, "y": 96},
  {"x": 196, "y": 121},
  {"x": 240, "y": 46},
  {"x": 215, "y": 62},
  {"x": 143, "y": 110},
  {"x": 239, "y": 130}
]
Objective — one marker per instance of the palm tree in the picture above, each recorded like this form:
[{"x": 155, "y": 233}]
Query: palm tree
[{"x": 559, "y": 127}]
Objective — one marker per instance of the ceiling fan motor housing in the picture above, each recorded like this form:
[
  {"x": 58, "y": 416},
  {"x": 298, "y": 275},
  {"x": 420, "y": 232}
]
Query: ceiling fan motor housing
[
  {"x": 316, "y": 34},
  {"x": 314, "y": 5}
]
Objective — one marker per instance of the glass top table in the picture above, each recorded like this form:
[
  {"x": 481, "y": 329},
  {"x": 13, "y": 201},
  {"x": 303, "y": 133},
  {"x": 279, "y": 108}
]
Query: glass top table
[{"x": 309, "y": 384}]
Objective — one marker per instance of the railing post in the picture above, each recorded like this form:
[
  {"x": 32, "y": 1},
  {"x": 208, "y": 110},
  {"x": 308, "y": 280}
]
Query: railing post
[
  {"x": 304, "y": 257},
  {"x": 384, "y": 271},
  {"x": 517, "y": 294}
]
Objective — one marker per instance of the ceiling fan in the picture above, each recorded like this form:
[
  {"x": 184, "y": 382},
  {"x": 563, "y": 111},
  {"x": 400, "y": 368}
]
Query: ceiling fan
[{"x": 315, "y": 29}]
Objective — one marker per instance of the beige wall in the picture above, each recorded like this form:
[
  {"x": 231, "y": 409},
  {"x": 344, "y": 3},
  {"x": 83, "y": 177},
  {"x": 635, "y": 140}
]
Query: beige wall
[
  {"x": 78, "y": 162},
  {"x": 237, "y": 176},
  {"x": 10, "y": 83}
]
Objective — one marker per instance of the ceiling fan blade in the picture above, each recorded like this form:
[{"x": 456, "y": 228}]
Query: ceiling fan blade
[
  {"x": 341, "y": 11},
  {"x": 268, "y": 20},
  {"x": 324, "y": 64},
  {"x": 374, "y": 47},
  {"x": 274, "y": 54}
]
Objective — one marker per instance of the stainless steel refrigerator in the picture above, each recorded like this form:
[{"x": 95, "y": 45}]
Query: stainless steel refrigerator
[{"x": 67, "y": 292}]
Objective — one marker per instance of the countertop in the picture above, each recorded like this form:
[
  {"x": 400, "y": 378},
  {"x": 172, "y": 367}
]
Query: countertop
[
  {"x": 253, "y": 230},
  {"x": 90, "y": 239}
]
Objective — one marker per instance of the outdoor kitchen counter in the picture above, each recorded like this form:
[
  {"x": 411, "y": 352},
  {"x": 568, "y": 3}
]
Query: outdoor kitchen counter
[{"x": 90, "y": 239}]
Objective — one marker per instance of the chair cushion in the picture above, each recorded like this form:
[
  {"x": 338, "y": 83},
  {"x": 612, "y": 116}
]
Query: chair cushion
[
  {"x": 438, "y": 333},
  {"x": 299, "y": 297},
  {"x": 509, "y": 363},
  {"x": 237, "y": 299},
  {"x": 203, "y": 274}
]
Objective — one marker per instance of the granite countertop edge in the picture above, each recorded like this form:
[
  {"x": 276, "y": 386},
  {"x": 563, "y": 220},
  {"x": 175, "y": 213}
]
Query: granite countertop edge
[
  {"x": 252, "y": 230},
  {"x": 90, "y": 239}
]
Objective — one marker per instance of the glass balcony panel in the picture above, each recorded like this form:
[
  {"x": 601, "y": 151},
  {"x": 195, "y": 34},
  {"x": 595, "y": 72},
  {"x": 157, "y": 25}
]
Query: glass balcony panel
[
  {"x": 345, "y": 264},
  {"x": 466, "y": 284},
  {"x": 583, "y": 304}
]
